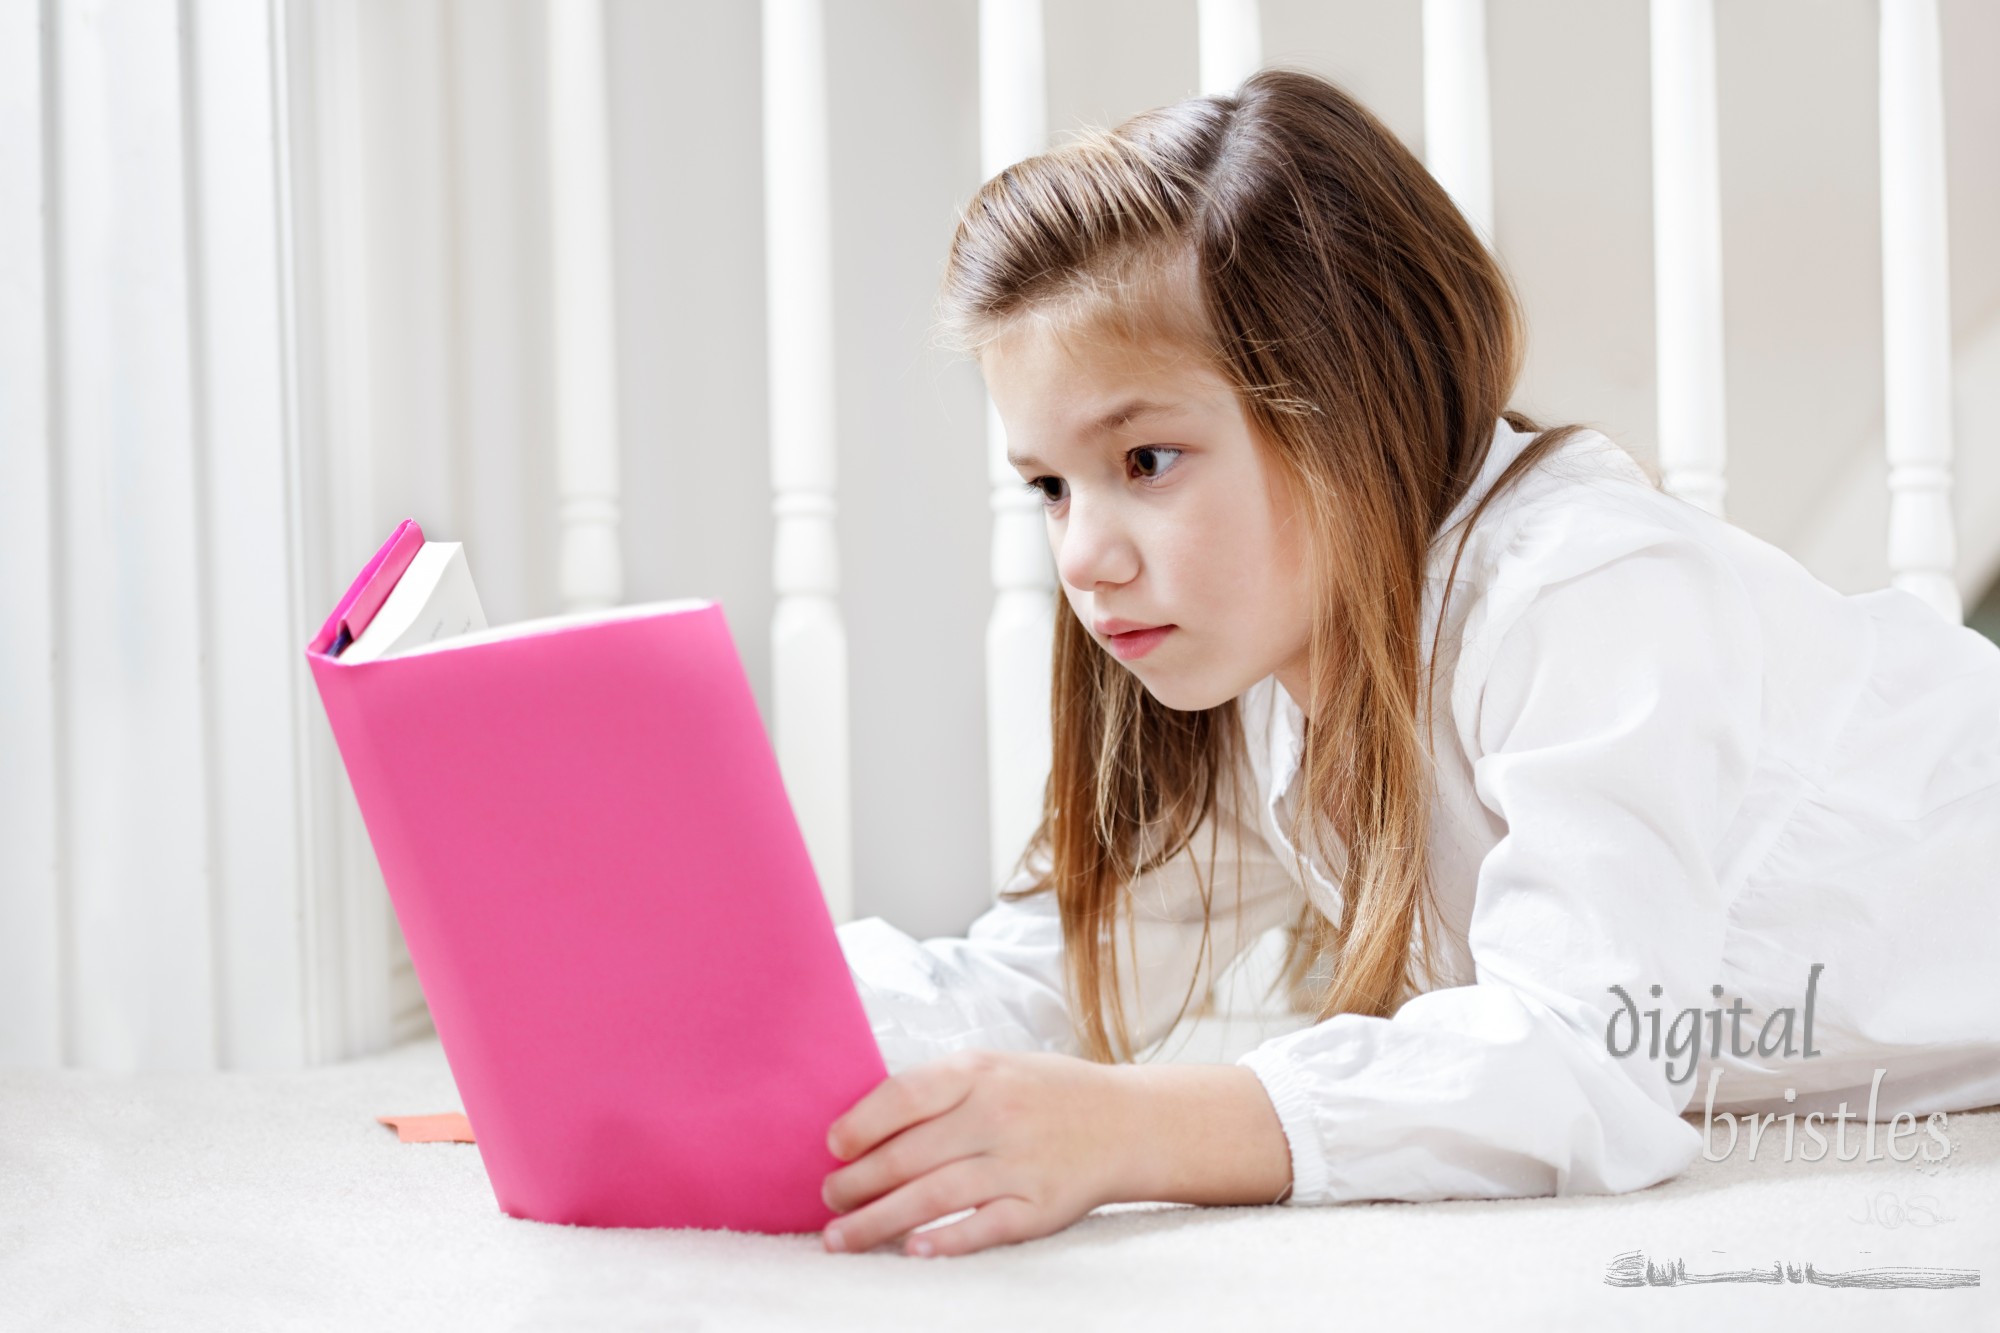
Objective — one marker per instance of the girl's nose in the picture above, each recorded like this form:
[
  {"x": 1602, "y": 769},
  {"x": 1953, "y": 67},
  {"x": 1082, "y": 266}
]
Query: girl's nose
[{"x": 1092, "y": 549}]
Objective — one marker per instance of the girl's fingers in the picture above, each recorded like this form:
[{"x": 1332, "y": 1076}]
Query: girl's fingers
[
  {"x": 951, "y": 1188},
  {"x": 899, "y": 1101},
  {"x": 918, "y": 1149},
  {"x": 1001, "y": 1221}
]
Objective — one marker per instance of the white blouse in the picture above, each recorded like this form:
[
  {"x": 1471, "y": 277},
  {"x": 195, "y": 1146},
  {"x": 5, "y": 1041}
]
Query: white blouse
[{"x": 1668, "y": 756}]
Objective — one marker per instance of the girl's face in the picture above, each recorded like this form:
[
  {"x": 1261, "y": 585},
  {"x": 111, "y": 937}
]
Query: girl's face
[{"x": 1178, "y": 546}]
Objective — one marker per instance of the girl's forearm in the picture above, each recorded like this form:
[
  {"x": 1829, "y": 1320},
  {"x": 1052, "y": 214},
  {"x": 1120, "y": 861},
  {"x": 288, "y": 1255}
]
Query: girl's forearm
[{"x": 1203, "y": 1134}]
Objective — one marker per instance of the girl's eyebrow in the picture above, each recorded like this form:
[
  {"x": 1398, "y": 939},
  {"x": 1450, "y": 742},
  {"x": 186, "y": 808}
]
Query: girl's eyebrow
[
  {"x": 1138, "y": 407},
  {"x": 1119, "y": 416}
]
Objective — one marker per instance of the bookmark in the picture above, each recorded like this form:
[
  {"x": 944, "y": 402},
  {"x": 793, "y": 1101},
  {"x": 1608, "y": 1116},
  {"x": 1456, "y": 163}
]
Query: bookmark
[{"x": 371, "y": 588}]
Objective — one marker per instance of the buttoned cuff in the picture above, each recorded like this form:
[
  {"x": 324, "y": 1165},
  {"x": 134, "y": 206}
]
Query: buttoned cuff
[{"x": 1292, "y": 1099}]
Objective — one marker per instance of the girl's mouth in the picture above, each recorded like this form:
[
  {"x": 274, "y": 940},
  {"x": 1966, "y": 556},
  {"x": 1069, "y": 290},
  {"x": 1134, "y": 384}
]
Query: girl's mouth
[{"x": 1138, "y": 643}]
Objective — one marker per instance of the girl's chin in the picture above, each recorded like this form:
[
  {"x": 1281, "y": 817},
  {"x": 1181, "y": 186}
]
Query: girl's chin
[
  {"x": 1190, "y": 688},
  {"x": 1181, "y": 695}
]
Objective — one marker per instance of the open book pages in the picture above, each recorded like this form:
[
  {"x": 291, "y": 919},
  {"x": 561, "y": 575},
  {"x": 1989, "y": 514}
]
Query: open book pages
[
  {"x": 434, "y": 599},
  {"x": 434, "y": 606}
]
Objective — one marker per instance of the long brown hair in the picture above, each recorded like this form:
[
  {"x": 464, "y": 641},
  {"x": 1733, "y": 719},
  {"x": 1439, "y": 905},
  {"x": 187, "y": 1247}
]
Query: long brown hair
[{"x": 1287, "y": 236}]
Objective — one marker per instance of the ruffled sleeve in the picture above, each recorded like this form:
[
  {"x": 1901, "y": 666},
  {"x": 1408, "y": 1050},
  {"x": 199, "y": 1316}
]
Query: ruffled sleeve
[
  {"x": 1610, "y": 705},
  {"x": 1002, "y": 986}
]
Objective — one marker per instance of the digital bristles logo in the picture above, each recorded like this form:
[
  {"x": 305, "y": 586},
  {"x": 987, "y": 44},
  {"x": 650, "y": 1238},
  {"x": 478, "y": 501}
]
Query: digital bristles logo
[
  {"x": 1682, "y": 1042},
  {"x": 1634, "y": 1269},
  {"x": 1782, "y": 1036}
]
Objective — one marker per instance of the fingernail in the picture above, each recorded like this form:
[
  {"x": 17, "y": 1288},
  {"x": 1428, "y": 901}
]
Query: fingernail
[{"x": 834, "y": 1240}]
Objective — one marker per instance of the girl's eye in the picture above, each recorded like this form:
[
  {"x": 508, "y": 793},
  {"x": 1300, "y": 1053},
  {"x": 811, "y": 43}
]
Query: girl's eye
[
  {"x": 1034, "y": 487},
  {"x": 1156, "y": 450},
  {"x": 1143, "y": 454}
]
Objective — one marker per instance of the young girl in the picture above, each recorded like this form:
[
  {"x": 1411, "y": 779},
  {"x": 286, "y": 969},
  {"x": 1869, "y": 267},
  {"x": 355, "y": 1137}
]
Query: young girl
[{"x": 1587, "y": 808}]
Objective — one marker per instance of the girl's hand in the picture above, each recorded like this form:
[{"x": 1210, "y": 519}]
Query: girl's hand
[{"x": 1032, "y": 1140}]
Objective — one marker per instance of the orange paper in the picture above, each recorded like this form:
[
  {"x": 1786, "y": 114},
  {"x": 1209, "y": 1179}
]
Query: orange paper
[{"x": 449, "y": 1127}]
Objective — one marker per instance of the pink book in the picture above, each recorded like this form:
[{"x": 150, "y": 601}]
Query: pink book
[{"x": 632, "y": 969}]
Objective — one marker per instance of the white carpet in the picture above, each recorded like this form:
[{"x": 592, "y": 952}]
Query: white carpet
[{"x": 275, "y": 1201}]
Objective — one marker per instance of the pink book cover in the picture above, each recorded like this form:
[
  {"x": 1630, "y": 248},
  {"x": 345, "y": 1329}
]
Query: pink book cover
[{"x": 631, "y": 966}]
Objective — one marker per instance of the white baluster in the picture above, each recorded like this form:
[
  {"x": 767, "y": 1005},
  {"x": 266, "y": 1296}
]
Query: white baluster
[
  {"x": 1687, "y": 253},
  {"x": 584, "y": 334},
  {"x": 346, "y": 913},
  {"x": 1458, "y": 129},
  {"x": 31, "y": 1011},
  {"x": 1013, "y": 124},
  {"x": 808, "y": 639},
  {"x": 1916, "y": 310},
  {"x": 1232, "y": 43},
  {"x": 132, "y": 722},
  {"x": 257, "y": 625}
]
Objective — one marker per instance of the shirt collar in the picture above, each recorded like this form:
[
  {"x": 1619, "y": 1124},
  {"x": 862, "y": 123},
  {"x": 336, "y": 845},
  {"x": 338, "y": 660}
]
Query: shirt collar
[
  {"x": 1287, "y": 740},
  {"x": 1506, "y": 446},
  {"x": 1276, "y": 730}
]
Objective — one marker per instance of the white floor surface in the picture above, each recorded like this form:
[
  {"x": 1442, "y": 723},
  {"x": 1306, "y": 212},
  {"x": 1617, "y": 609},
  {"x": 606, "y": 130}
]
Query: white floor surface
[{"x": 222, "y": 1201}]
